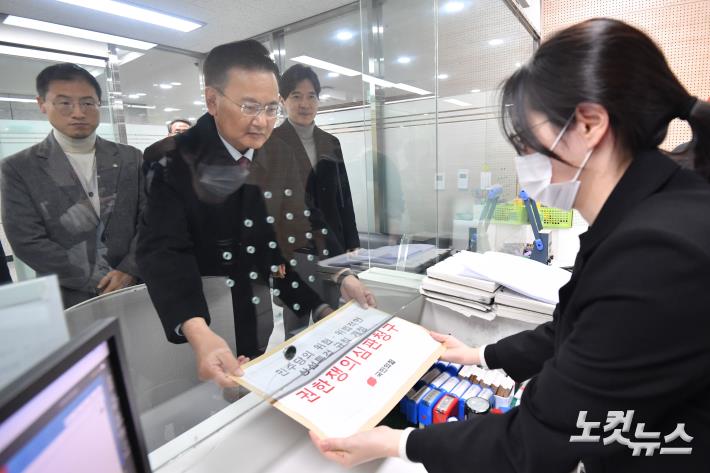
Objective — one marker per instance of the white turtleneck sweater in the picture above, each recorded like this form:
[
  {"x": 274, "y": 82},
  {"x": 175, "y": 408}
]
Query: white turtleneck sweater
[
  {"x": 305, "y": 133},
  {"x": 81, "y": 153}
]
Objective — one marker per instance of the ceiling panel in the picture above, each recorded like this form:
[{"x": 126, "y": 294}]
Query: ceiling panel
[
  {"x": 464, "y": 52},
  {"x": 225, "y": 20}
]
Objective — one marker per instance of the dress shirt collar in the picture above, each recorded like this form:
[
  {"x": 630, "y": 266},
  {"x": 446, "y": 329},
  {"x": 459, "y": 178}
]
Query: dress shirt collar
[{"x": 234, "y": 152}]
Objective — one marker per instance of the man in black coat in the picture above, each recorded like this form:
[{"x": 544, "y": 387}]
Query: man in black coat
[{"x": 221, "y": 202}]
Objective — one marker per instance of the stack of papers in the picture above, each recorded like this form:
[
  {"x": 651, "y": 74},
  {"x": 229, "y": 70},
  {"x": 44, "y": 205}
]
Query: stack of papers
[
  {"x": 513, "y": 305},
  {"x": 525, "y": 276},
  {"x": 450, "y": 284},
  {"x": 492, "y": 283}
]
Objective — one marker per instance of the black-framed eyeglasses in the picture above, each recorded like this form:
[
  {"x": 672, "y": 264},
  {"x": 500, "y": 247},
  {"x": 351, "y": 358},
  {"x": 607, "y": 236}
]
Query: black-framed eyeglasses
[
  {"x": 251, "y": 109},
  {"x": 66, "y": 106},
  {"x": 521, "y": 146}
]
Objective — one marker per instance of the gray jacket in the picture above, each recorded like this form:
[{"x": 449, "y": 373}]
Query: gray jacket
[{"x": 51, "y": 224}]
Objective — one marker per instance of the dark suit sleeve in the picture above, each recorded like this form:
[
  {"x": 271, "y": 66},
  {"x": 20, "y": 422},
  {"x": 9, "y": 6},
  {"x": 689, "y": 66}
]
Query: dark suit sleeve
[
  {"x": 522, "y": 355},
  {"x": 166, "y": 260},
  {"x": 350, "y": 234},
  {"x": 28, "y": 236},
  {"x": 128, "y": 264},
  {"x": 630, "y": 349},
  {"x": 4, "y": 271}
]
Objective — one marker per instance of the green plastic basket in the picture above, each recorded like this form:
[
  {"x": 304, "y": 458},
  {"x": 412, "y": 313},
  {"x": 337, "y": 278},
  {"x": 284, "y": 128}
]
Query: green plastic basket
[
  {"x": 511, "y": 214},
  {"x": 515, "y": 214},
  {"x": 556, "y": 218}
]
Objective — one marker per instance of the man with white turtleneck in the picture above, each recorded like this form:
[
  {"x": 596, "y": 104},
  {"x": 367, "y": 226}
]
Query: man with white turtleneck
[
  {"x": 305, "y": 134},
  {"x": 71, "y": 203},
  {"x": 319, "y": 159},
  {"x": 81, "y": 153}
]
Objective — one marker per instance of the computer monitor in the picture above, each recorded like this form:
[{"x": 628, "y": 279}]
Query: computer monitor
[{"x": 73, "y": 412}]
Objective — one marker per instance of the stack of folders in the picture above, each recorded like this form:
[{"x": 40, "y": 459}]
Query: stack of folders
[
  {"x": 513, "y": 305},
  {"x": 448, "y": 284},
  {"x": 491, "y": 284}
]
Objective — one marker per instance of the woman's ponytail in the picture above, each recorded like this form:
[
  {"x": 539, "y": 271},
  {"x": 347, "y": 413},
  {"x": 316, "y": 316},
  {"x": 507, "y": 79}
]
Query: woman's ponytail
[
  {"x": 698, "y": 117},
  {"x": 617, "y": 66}
]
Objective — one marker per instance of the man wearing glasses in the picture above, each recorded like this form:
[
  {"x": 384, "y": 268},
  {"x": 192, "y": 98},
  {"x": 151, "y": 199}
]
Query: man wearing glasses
[
  {"x": 224, "y": 201},
  {"x": 70, "y": 204}
]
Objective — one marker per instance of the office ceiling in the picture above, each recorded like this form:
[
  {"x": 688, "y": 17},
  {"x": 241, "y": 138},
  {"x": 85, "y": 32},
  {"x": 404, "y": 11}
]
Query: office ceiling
[
  {"x": 225, "y": 20},
  {"x": 466, "y": 60}
]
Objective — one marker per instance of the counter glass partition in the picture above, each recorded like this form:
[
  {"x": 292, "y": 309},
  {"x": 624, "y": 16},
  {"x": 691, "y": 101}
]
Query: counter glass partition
[
  {"x": 158, "y": 87},
  {"x": 397, "y": 177}
]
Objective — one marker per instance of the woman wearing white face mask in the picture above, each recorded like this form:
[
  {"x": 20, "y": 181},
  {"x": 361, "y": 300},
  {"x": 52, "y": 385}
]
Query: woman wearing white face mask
[
  {"x": 535, "y": 177},
  {"x": 631, "y": 331}
]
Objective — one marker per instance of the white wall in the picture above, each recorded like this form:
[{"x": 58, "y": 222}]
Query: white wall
[
  {"x": 142, "y": 136},
  {"x": 681, "y": 28},
  {"x": 16, "y": 135},
  {"x": 416, "y": 148}
]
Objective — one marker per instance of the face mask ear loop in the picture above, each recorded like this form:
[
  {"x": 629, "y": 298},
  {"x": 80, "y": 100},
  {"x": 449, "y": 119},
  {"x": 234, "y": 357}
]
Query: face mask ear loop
[
  {"x": 562, "y": 132},
  {"x": 584, "y": 163}
]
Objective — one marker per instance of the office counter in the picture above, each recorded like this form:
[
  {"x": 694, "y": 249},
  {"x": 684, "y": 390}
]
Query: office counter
[
  {"x": 188, "y": 425},
  {"x": 251, "y": 436}
]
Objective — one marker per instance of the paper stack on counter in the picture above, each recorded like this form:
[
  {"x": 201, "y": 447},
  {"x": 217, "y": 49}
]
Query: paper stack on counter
[
  {"x": 512, "y": 305},
  {"x": 449, "y": 284},
  {"x": 525, "y": 276},
  {"x": 470, "y": 283}
]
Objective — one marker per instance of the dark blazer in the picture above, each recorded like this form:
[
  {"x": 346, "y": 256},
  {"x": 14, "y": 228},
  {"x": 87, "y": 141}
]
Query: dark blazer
[
  {"x": 4, "y": 271},
  {"x": 327, "y": 186},
  {"x": 51, "y": 224},
  {"x": 201, "y": 205},
  {"x": 631, "y": 332}
]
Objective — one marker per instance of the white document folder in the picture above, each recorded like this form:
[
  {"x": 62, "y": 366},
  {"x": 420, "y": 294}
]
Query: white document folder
[
  {"x": 521, "y": 314},
  {"x": 454, "y": 270},
  {"x": 523, "y": 275},
  {"x": 511, "y": 298},
  {"x": 455, "y": 300},
  {"x": 457, "y": 290}
]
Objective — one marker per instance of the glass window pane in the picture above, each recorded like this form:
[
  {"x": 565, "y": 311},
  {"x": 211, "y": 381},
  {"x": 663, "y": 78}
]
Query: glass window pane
[
  {"x": 22, "y": 124},
  {"x": 159, "y": 87},
  {"x": 479, "y": 47},
  {"x": 338, "y": 42}
]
